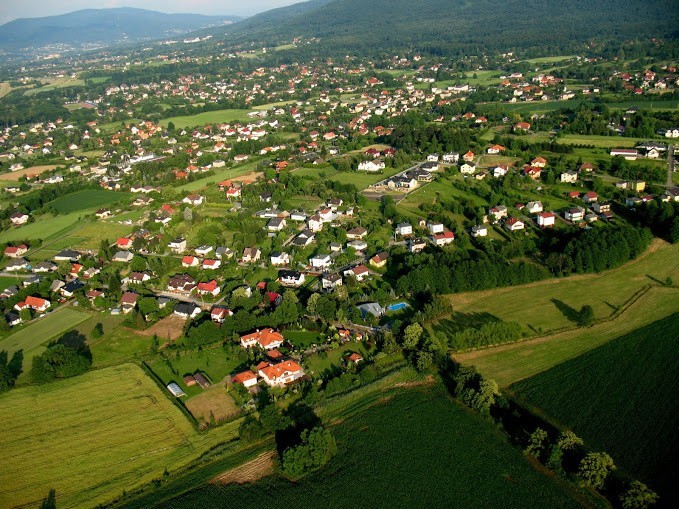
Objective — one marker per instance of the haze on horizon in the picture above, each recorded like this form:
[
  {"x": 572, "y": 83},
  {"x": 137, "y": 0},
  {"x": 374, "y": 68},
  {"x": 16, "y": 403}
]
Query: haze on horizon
[{"x": 39, "y": 8}]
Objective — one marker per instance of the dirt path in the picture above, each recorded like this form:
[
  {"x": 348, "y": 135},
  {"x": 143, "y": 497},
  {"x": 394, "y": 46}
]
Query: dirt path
[{"x": 253, "y": 470}]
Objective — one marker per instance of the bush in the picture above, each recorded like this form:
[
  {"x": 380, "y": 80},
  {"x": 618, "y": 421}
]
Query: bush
[{"x": 316, "y": 450}]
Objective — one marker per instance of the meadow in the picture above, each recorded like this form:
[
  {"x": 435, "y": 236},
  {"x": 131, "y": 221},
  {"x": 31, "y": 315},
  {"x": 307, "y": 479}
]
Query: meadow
[
  {"x": 33, "y": 170},
  {"x": 209, "y": 117},
  {"x": 410, "y": 448},
  {"x": 45, "y": 226},
  {"x": 362, "y": 179},
  {"x": 93, "y": 436},
  {"x": 621, "y": 398},
  {"x": 32, "y": 338},
  {"x": 86, "y": 199}
]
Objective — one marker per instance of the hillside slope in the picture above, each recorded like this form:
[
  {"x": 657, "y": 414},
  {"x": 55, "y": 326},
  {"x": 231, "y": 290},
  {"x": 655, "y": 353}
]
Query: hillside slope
[
  {"x": 100, "y": 27},
  {"x": 463, "y": 23}
]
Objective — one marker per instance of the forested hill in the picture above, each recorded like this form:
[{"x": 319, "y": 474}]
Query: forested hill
[
  {"x": 465, "y": 24},
  {"x": 100, "y": 26}
]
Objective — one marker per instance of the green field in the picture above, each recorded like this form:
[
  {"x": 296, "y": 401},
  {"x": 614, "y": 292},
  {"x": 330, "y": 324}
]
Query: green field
[
  {"x": 44, "y": 227},
  {"x": 413, "y": 448},
  {"x": 532, "y": 306},
  {"x": 362, "y": 179},
  {"x": 221, "y": 174},
  {"x": 209, "y": 117},
  {"x": 86, "y": 199},
  {"x": 36, "y": 335},
  {"x": 621, "y": 398},
  {"x": 93, "y": 436}
]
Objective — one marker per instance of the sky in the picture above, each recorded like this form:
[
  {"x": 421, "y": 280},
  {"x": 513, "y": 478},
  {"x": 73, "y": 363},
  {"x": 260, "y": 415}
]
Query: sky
[{"x": 12, "y": 9}]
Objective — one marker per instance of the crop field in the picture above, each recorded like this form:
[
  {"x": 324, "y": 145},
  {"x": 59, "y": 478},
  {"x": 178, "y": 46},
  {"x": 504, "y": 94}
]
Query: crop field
[
  {"x": 209, "y": 117},
  {"x": 621, "y": 398},
  {"x": 599, "y": 141},
  {"x": 33, "y": 170},
  {"x": 240, "y": 171},
  {"x": 549, "y": 60},
  {"x": 35, "y": 336},
  {"x": 54, "y": 83},
  {"x": 385, "y": 459},
  {"x": 92, "y": 436},
  {"x": 86, "y": 199}
]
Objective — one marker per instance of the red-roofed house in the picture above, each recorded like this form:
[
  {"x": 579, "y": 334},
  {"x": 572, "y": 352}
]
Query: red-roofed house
[
  {"x": 247, "y": 378},
  {"x": 209, "y": 288},
  {"x": 443, "y": 239},
  {"x": 190, "y": 261},
  {"x": 281, "y": 374},
  {"x": 16, "y": 251},
  {"x": 36, "y": 303},
  {"x": 124, "y": 243},
  {"x": 266, "y": 338},
  {"x": 219, "y": 314},
  {"x": 546, "y": 219}
]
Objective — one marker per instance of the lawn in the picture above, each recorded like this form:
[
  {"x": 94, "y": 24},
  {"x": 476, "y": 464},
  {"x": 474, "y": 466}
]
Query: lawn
[
  {"x": 599, "y": 141},
  {"x": 621, "y": 398},
  {"x": 212, "y": 362},
  {"x": 220, "y": 175},
  {"x": 330, "y": 361},
  {"x": 86, "y": 199},
  {"x": 118, "y": 345},
  {"x": 92, "y": 436},
  {"x": 304, "y": 339},
  {"x": 32, "y": 338},
  {"x": 209, "y": 117},
  {"x": 362, "y": 179},
  {"x": 414, "y": 448}
]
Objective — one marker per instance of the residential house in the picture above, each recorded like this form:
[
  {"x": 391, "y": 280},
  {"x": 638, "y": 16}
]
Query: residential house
[
  {"x": 533, "y": 207},
  {"x": 404, "y": 229},
  {"x": 291, "y": 278},
  {"x": 202, "y": 250},
  {"x": 69, "y": 289},
  {"x": 434, "y": 227},
  {"x": 514, "y": 224},
  {"x": 281, "y": 374},
  {"x": 539, "y": 162},
  {"x": 590, "y": 197},
  {"x": 371, "y": 166},
  {"x": 450, "y": 158},
  {"x": 224, "y": 253},
  {"x": 36, "y": 303},
  {"x": 569, "y": 177},
  {"x": 17, "y": 265},
  {"x": 181, "y": 283},
  {"x": 379, "y": 260},
  {"x": 574, "y": 214},
  {"x": 211, "y": 264},
  {"x": 443, "y": 239},
  {"x": 67, "y": 255},
  {"x": 546, "y": 219},
  {"x": 331, "y": 281},
  {"x": 128, "y": 301},
  {"x": 218, "y": 314},
  {"x": 305, "y": 238},
  {"x": 247, "y": 378},
  {"x": 177, "y": 246},
  {"x": 321, "y": 261},
  {"x": 416, "y": 245},
  {"x": 124, "y": 243},
  {"x": 315, "y": 223},
  {"x": 276, "y": 224},
  {"x": 18, "y": 218},
  {"x": 500, "y": 170},
  {"x": 187, "y": 310},
  {"x": 629, "y": 154},
  {"x": 498, "y": 212},
  {"x": 122, "y": 257},
  {"x": 479, "y": 231},
  {"x": 357, "y": 233},
  {"x": 278, "y": 258},
  {"x": 208, "y": 288},
  {"x": 467, "y": 168},
  {"x": 251, "y": 255},
  {"x": 190, "y": 261},
  {"x": 267, "y": 339},
  {"x": 16, "y": 251},
  {"x": 46, "y": 266},
  {"x": 136, "y": 278},
  {"x": 360, "y": 272}
]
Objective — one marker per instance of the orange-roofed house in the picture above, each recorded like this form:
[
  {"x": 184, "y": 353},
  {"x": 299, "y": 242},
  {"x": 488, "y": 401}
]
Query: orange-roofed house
[
  {"x": 354, "y": 358},
  {"x": 16, "y": 251},
  {"x": 265, "y": 338},
  {"x": 247, "y": 378},
  {"x": 495, "y": 149},
  {"x": 124, "y": 243},
  {"x": 190, "y": 261},
  {"x": 469, "y": 156},
  {"x": 281, "y": 374},
  {"x": 40, "y": 305}
]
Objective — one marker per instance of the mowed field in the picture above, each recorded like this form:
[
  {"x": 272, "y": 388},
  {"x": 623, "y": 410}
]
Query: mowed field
[
  {"x": 33, "y": 338},
  {"x": 621, "y": 398},
  {"x": 414, "y": 448},
  {"x": 86, "y": 199},
  {"x": 209, "y": 117},
  {"x": 44, "y": 227},
  {"x": 93, "y": 436},
  {"x": 13, "y": 176},
  {"x": 532, "y": 306}
]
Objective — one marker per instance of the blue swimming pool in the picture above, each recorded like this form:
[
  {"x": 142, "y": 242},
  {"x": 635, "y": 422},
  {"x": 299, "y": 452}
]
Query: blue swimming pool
[{"x": 398, "y": 306}]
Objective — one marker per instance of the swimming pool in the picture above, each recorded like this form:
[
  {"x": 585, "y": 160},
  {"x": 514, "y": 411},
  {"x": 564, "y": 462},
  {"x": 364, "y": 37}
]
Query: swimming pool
[{"x": 398, "y": 306}]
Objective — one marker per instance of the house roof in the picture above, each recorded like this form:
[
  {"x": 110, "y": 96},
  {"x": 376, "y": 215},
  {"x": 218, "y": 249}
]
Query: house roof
[
  {"x": 273, "y": 372},
  {"x": 264, "y": 337},
  {"x": 243, "y": 377}
]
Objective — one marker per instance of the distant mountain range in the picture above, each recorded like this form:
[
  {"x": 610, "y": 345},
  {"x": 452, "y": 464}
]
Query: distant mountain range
[
  {"x": 100, "y": 27},
  {"x": 473, "y": 24}
]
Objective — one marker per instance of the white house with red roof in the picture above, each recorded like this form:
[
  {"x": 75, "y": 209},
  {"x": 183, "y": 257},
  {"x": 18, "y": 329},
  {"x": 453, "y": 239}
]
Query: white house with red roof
[
  {"x": 210, "y": 264},
  {"x": 190, "y": 261},
  {"x": 443, "y": 239},
  {"x": 209, "y": 288},
  {"x": 268, "y": 339},
  {"x": 124, "y": 243},
  {"x": 514, "y": 224},
  {"x": 16, "y": 251},
  {"x": 247, "y": 378},
  {"x": 546, "y": 219},
  {"x": 36, "y": 303},
  {"x": 281, "y": 374}
]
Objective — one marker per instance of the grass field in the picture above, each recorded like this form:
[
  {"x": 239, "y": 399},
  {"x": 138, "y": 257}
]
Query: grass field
[
  {"x": 44, "y": 227},
  {"x": 222, "y": 174},
  {"x": 54, "y": 83},
  {"x": 36, "y": 335},
  {"x": 549, "y": 60},
  {"x": 209, "y": 117},
  {"x": 510, "y": 363},
  {"x": 92, "y": 436},
  {"x": 86, "y": 199},
  {"x": 33, "y": 170},
  {"x": 362, "y": 179},
  {"x": 621, "y": 398},
  {"x": 386, "y": 459},
  {"x": 599, "y": 141}
]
